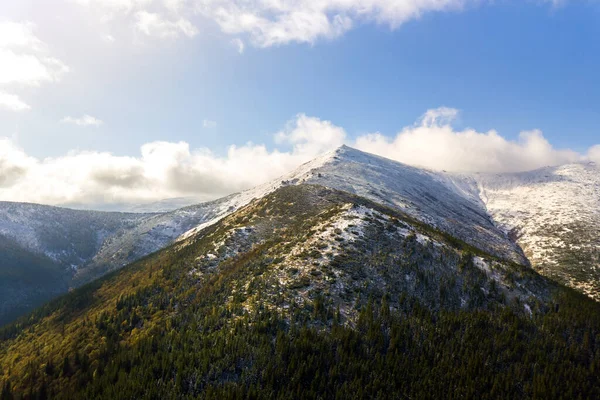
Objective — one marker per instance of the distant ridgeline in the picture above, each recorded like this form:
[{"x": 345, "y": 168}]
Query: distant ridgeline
[{"x": 312, "y": 292}]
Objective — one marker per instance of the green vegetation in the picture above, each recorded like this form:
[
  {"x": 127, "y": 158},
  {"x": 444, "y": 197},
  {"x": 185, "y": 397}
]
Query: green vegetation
[{"x": 263, "y": 316}]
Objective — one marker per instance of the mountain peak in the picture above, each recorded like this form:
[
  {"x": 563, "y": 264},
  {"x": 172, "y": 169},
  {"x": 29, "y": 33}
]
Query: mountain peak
[{"x": 344, "y": 149}]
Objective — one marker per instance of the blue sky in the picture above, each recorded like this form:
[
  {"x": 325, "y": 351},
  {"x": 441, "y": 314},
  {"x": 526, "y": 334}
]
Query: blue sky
[{"x": 507, "y": 66}]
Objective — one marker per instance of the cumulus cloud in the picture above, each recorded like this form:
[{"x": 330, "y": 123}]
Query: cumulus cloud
[
  {"x": 594, "y": 154},
  {"x": 14, "y": 163},
  {"x": 310, "y": 135},
  {"x": 434, "y": 143},
  {"x": 162, "y": 170},
  {"x": 12, "y": 102},
  {"x": 172, "y": 169},
  {"x": 85, "y": 120}
]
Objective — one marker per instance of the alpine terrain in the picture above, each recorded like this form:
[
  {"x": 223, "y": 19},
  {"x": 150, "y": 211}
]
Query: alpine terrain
[
  {"x": 550, "y": 214},
  {"x": 352, "y": 277},
  {"x": 46, "y": 250}
]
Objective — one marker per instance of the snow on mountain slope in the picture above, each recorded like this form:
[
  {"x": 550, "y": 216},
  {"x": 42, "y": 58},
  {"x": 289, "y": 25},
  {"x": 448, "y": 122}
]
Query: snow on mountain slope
[
  {"x": 79, "y": 245},
  {"x": 149, "y": 234},
  {"x": 554, "y": 214},
  {"x": 161, "y": 206},
  {"x": 91, "y": 243},
  {"x": 234, "y": 202},
  {"x": 70, "y": 237},
  {"x": 435, "y": 198},
  {"x": 441, "y": 200}
]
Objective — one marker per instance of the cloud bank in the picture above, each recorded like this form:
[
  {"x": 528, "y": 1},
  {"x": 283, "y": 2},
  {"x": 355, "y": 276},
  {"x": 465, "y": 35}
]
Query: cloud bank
[
  {"x": 167, "y": 170},
  {"x": 433, "y": 143}
]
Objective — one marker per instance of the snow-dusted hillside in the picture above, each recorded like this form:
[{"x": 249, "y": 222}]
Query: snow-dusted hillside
[
  {"x": 317, "y": 241},
  {"x": 70, "y": 237},
  {"x": 441, "y": 200},
  {"x": 554, "y": 214},
  {"x": 91, "y": 243},
  {"x": 437, "y": 199}
]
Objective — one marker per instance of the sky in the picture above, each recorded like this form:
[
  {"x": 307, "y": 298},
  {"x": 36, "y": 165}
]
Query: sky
[{"x": 133, "y": 101}]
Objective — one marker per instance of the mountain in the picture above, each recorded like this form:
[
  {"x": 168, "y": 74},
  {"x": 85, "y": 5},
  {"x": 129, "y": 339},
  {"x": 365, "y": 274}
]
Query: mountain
[
  {"x": 27, "y": 280},
  {"x": 554, "y": 215},
  {"x": 549, "y": 218},
  {"x": 77, "y": 246},
  {"x": 308, "y": 292},
  {"x": 551, "y": 213},
  {"x": 353, "y": 276},
  {"x": 448, "y": 203},
  {"x": 160, "y": 206}
]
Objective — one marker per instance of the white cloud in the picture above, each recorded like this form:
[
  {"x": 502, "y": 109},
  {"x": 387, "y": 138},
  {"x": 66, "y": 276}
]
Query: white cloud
[
  {"x": 24, "y": 61},
  {"x": 594, "y": 154},
  {"x": 273, "y": 22},
  {"x": 269, "y": 22},
  {"x": 23, "y": 57},
  {"x": 207, "y": 123},
  {"x": 433, "y": 143},
  {"x": 28, "y": 69},
  {"x": 239, "y": 45},
  {"x": 20, "y": 35},
  {"x": 153, "y": 24},
  {"x": 310, "y": 136},
  {"x": 85, "y": 120},
  {"x": 166, "y": 169},
  {"x": 14, "y": 164},
  {"x": 12, "y": 102},
  {"x": 162, "y": 170}
]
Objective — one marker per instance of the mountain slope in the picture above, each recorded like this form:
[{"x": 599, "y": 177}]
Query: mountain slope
[
  {"x": 80, "y": 245},
  {"x": 310, "y": 291},
  {"x": 27, "y": 280},
  {"x": 437, "y": 199},
  {"x": 554, "y": 214}
]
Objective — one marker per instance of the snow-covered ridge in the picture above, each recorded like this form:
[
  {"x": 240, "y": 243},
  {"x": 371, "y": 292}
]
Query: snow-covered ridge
[
  {"x": 552, "y": 213},
  {"x": 441, "y": 200}
]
